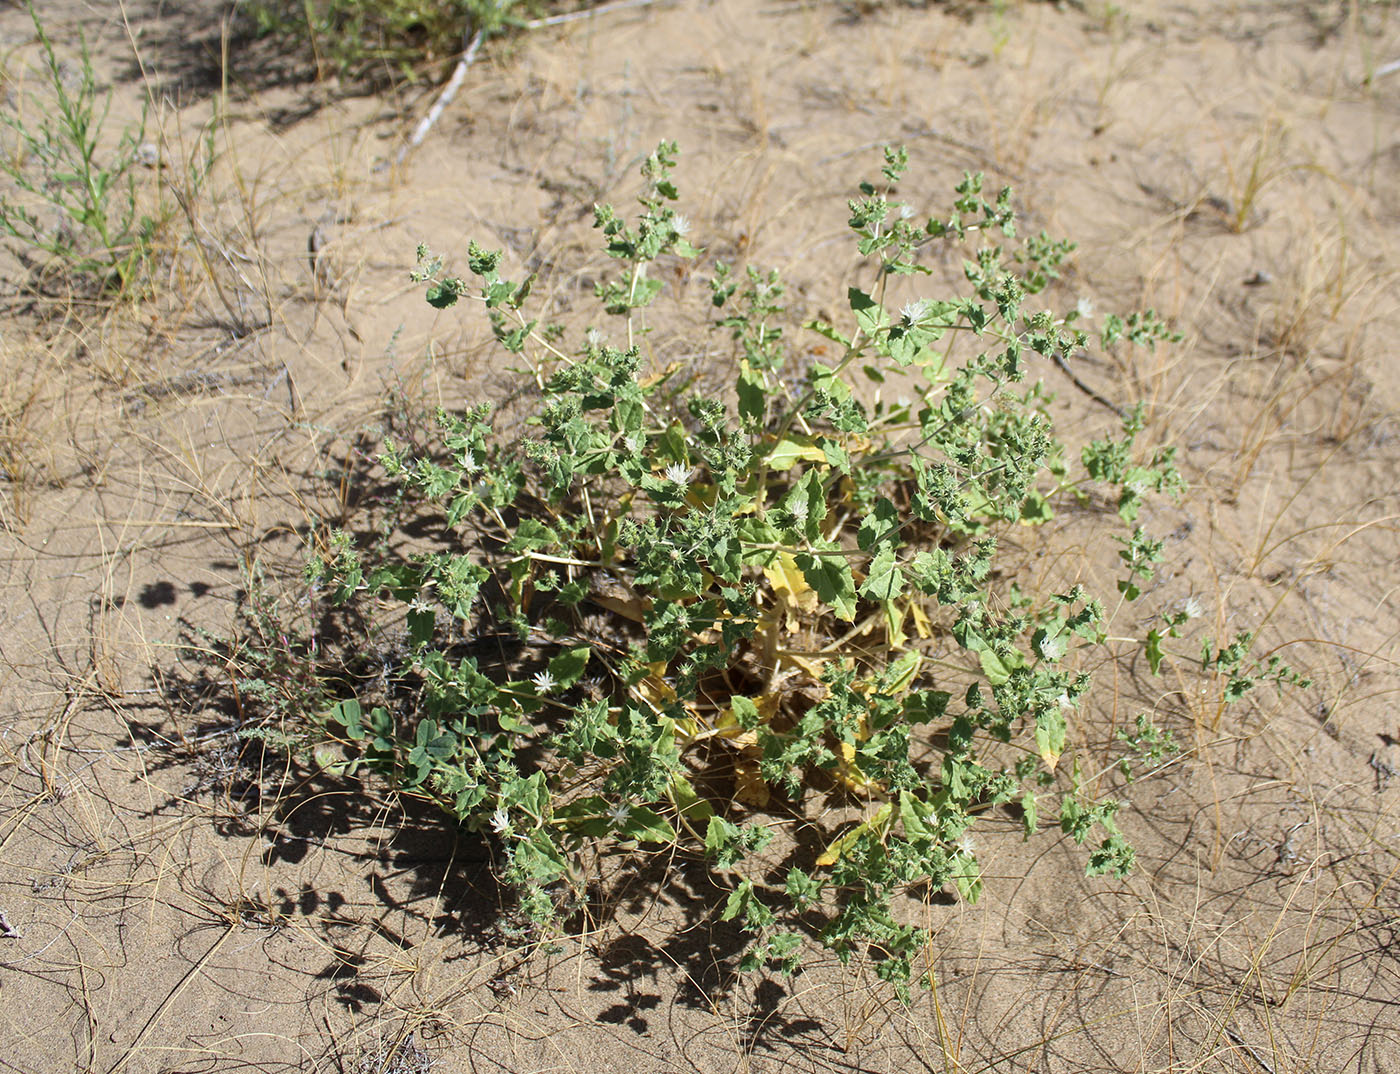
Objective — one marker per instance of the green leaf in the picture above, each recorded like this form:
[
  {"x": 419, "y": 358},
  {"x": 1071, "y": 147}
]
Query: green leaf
[
  {"x": 1050, "y": 735},
  {"x": 738, "y": 901},
  {"x": 831, "y": 578},
  {"x": 531, "y": 795},
  {"x": 647, "y": 826},
  {"x": 898, "y": 675},
  {"x": 746, "y": 713},
  {"x": 587, "y": 816},
  {"x": 967, "y": 875},
  {"x": 347, "y": 714},
  {"x": 496, "y": 292},
  {"x": 884, "y": 581},
  {"x": 531, "y": 535},
  {"x": 567, "y": 666},
  {"x": 1036, "y": 509},
  {"x": 998, "y": 667},
  {"x": 460, "y": 506},
  {"x": 420, "y": 627},
  {"x": 1028, "y": 813},
  {"x": 803, "y": 889},
  {"x": 879, "y": 525},
  {"x": 443, "y": 295},
  {"x": 870, "y": 315},
  {"x": 824, "y": 329},
  {"x": 835, "y": 454},
  {"x": 752, "y": 398},
  {"x": 538, "y": 858},
  {"x": 904, "y": 347},
  {"x": 1154, "y": 651},
  {"x": 722, "y": 842},
  {"x": 791, "y": 450},
  {"x": 432, "y": 745},
  {"x": 923, "y": 706},
  {"x": 688, "y": 802},
  {"x": 808, "y": 499},
  {"x": 916, "y": 815}
]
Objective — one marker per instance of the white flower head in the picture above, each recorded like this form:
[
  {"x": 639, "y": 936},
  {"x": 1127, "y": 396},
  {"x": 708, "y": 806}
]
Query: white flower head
[
  {"x": 1054, "y": 648},
  {"x": 967, "y": 844},
  {"x": 906, "y": 212},
  {"x": 619, "y": 813},
  {"x": 500, "y": 820},
  {"x": 420, "y": 604},
  {"x": 678, "y": 474},
  {"x": 680, "y": 225},
  {"x": 800, "y": 509},
  {"x": 544, "y": 682},
  {"x": 1191, "y": 608},
  {"x": 1085, "y": 306},
  {"x": 914, "y": 312},
  {"x": 470, "y": 463},
  {"x": 594, "y": 337}
]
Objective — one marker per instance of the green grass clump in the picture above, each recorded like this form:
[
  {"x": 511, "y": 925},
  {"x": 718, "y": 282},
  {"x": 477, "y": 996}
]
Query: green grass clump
[{"x": 379, "y": 39}]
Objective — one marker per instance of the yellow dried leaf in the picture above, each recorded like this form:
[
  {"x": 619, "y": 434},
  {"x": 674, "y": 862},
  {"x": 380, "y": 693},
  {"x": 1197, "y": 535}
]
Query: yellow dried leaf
[
  {"x": 849, "y": 775},
  {"x": 894, "y": 625},
  {"x": 833, "y": 853},
  {"x": 787, "y": 580},
  {"x": 791, "y": 450},
  {"x": 749, "y": 787},
  {"x": 813, "y": 668},
  {"x": 655, "y": 689},
  {"x": 661, "y": 376},
  {"x": 632, "y": 608},
  {"x": 922, "y": 625}
]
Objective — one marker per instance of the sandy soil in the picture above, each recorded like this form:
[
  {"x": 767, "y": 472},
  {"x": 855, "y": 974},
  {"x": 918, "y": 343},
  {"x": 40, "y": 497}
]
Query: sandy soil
[{"x": 1234, "y": 164}]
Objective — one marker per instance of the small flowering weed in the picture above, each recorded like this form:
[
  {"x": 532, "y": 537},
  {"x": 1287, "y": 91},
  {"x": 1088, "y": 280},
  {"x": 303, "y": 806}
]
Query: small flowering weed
[{"x": 722, "y": 608}]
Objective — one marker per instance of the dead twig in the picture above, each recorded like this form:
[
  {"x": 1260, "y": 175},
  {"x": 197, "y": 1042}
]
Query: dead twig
[
  {"x": 459, "y": 75},
  {"x": 1238, "y": 1041},
  {"x": 1090, "y": 392},
  {"x": 472, "y": 45},
  {"x": 586, "y": 13},
  {"x": 165, "y": 1004}
]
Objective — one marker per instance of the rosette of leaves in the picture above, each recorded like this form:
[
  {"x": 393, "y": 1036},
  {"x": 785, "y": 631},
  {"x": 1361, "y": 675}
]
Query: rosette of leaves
[{"x": 665, "y": 617}]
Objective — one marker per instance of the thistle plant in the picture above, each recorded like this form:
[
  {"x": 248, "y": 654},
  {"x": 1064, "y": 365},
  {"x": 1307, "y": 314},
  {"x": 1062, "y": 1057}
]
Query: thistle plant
[{"x": 669, "y": 618}]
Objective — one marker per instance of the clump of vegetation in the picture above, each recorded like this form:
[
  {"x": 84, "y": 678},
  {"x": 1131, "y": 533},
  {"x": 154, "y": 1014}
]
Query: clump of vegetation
[
  {"x": 672, "y": 619},
  {"x": 74, "y": 198},
  {"x": 375, "y": 39}
]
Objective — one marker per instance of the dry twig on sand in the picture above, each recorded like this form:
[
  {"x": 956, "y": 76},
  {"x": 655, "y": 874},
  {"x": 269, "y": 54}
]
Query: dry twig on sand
[{"x": 472, "y": 41}]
